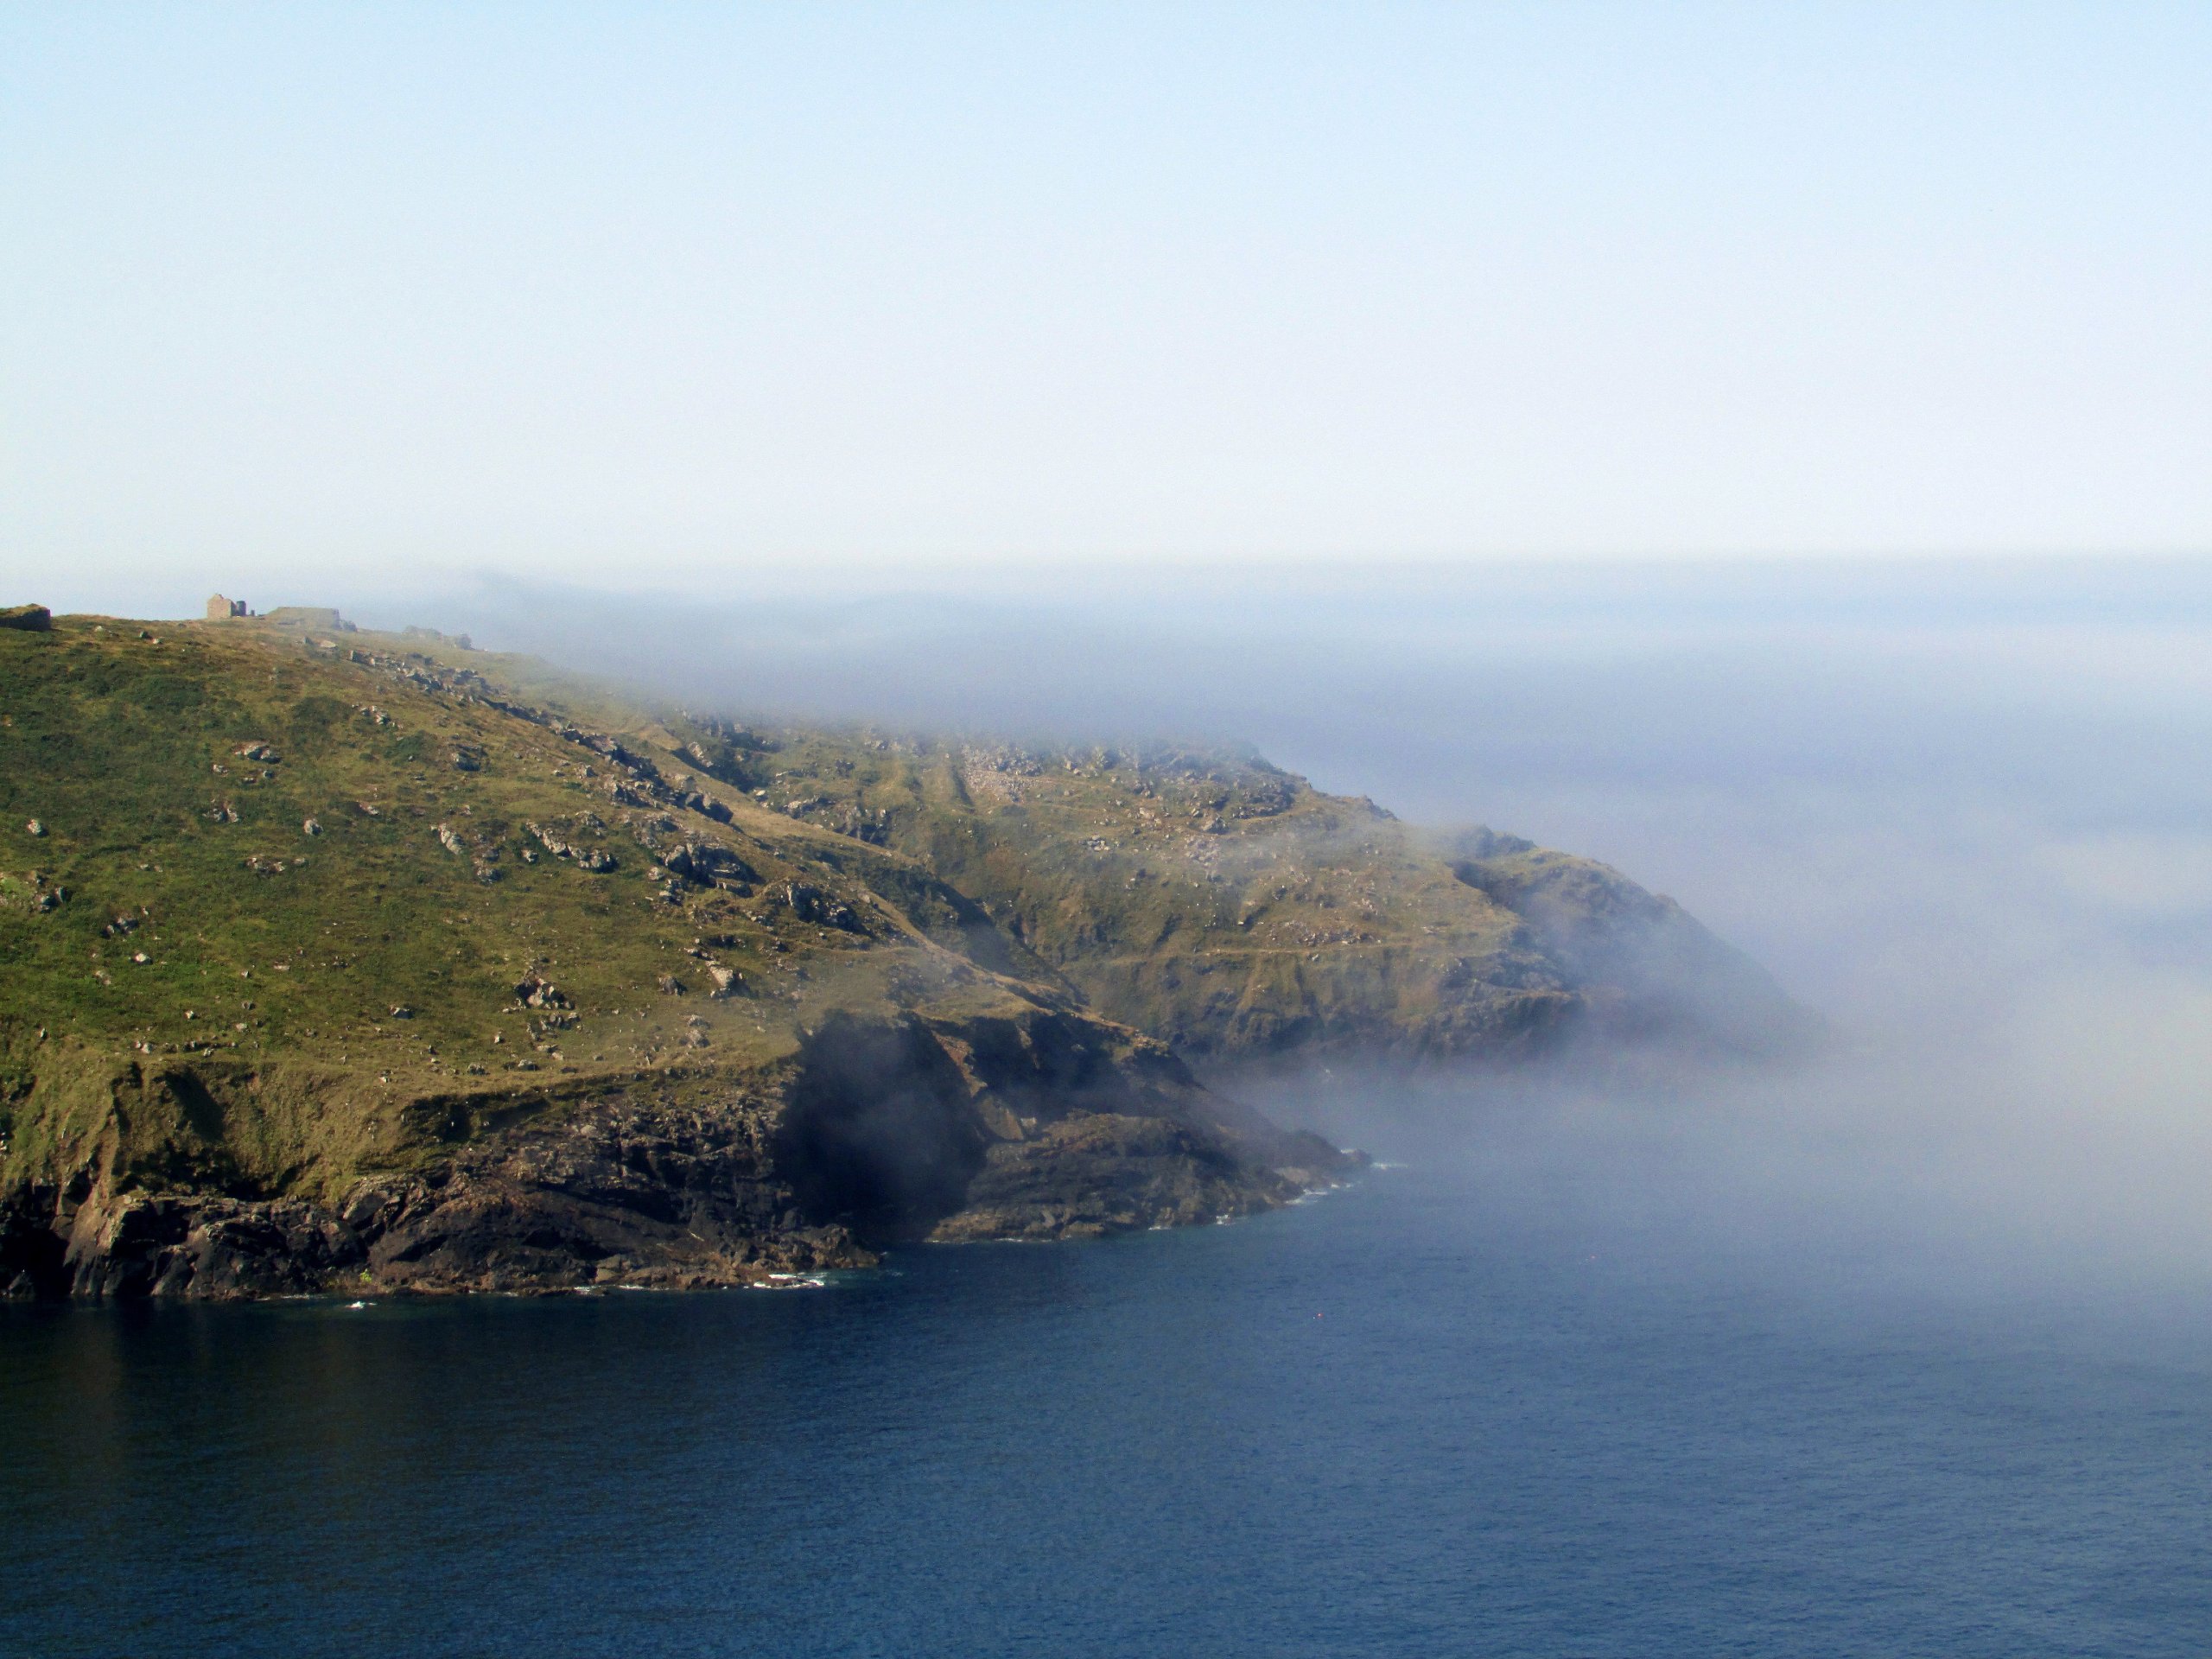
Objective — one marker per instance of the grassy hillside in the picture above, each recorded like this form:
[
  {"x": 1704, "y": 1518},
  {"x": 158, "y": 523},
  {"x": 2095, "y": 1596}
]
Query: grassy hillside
[
  {"x": 1227, "y": 907},
  {"x": 249, "y": 844}
]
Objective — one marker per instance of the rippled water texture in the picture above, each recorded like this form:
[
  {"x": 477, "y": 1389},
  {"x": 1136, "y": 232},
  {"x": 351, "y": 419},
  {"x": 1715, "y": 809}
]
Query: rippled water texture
[{"x": 1402, "y": 1419}]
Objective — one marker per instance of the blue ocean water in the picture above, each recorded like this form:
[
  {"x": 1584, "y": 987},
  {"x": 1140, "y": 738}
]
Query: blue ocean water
[{"x": 1401, "y": 1419}]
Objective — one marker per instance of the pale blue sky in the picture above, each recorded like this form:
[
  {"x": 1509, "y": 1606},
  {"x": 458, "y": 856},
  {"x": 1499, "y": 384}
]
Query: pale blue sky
[{"x": 641, "y": 296}]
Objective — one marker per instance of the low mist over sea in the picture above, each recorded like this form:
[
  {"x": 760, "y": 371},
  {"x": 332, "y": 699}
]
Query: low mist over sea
[{"x": 1958, "y": 807}]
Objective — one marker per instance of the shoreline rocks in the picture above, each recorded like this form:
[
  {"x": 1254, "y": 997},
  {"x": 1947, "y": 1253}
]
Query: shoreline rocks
[{"x": 1035, "y": 1124}]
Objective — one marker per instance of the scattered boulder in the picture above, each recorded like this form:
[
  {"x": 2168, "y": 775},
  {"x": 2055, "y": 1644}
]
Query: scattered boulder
[
  {"x": 313, "y": 826},
  {"x": 706, "y": 805},
  {"x": 671, "y": 985},
  {"x": 710, "y": 866},
  {"x": 35, "y": 827},
  {"x": 812, "y": 905},
  {"x": 586, "y": 858},
  {"x": 535, "y": 993}
]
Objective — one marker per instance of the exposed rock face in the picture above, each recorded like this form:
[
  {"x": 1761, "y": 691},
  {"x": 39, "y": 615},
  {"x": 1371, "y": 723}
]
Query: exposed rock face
[
  {"x": 644, "y": 1187},
  {"x": 137, "y": 1245},
  {"x": 1048, "y": 1125},
  {"x": 1032, "y": 1128},
  {"x": 169, "y": 1244},
  {"x": 1107, "y": 1174}
]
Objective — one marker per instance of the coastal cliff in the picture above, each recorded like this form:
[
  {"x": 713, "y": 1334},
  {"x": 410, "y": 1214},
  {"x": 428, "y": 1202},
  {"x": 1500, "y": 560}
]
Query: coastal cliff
[
  {"x": 191, "y": 1179},
  {"x": 331, "y": 959}
]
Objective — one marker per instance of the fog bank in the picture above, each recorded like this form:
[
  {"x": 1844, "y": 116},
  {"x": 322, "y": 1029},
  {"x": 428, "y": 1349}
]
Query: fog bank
[{"x": 1962, "y": 809}]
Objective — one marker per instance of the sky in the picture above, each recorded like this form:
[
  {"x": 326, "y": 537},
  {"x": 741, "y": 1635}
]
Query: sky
[{"x": 718, "y": 300}]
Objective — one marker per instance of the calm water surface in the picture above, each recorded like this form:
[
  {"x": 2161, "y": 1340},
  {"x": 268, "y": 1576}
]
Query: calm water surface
[{"x": 1394, "y": 1420}]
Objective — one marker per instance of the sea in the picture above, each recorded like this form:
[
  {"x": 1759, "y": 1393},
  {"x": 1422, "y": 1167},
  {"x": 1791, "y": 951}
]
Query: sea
[{"x": 1430, "y": 1413}]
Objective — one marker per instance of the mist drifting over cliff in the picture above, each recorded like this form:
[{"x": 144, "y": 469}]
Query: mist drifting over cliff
[{"x": 1960, "y": 809}]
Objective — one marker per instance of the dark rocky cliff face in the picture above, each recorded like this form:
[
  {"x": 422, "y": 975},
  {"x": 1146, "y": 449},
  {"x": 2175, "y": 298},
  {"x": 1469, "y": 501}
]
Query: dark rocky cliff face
[{"x": 1044, "y": 1124}]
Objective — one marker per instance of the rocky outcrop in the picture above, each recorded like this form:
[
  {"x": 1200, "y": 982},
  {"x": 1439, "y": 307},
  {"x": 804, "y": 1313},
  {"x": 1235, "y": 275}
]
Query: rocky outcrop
[
  {"x": 668, "y": 1183},
  {"x": 1034, "y": 1123},
  {"x": 1052, "y": 1125},
  {"x": 1648, "y": 971},
  {"x": 215, "y": 1248},
  {"x": 138, "y": 1243},
  {"x": 1108, "y": 1173}
]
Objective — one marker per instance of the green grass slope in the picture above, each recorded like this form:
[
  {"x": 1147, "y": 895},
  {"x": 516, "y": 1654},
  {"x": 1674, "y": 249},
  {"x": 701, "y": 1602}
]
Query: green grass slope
[{"x": 219, "y": 840}]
